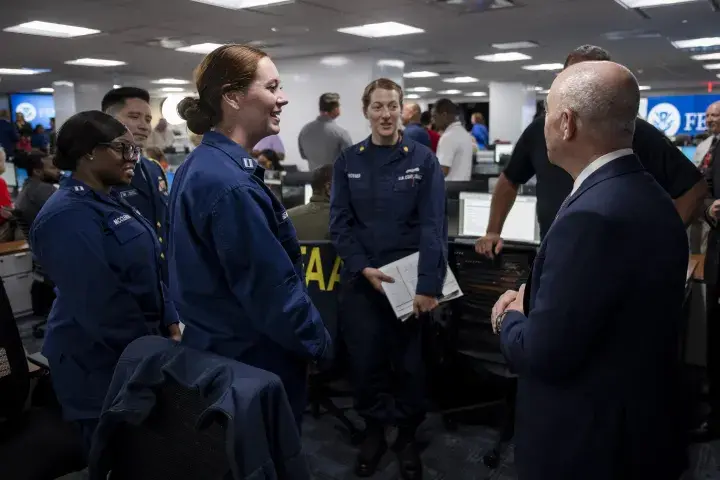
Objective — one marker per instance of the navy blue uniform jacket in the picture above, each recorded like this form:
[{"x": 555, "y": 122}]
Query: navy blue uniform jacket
[
  {"x": 104, "y": 259},
  {"x": 597, "y": 355},
  {"x": 381, "y": 212},
  {"x": 418, "y": 133},
  {"x": 236, "y": 274},
  {"x": 148, "y": 193},
  {"x": 263, "y": 441}
]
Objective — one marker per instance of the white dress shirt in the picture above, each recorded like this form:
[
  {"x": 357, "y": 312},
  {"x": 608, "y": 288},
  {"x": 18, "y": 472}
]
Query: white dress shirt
[
  {"x": 702, "y": 149},
  {"x": 597, "y": 163},
  {"x": 455, "y": 151}
]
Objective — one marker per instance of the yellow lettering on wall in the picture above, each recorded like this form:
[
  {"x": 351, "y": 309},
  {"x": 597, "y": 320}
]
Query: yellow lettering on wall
[
  {"x": 314, "y": 269},
  {"x": 303, "y": 249},
  {"x": 335, "y": 275}
]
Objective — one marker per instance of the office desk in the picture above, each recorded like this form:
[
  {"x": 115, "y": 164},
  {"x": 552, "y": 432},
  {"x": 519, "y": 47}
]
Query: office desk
[{"x": 16, "y": 274}]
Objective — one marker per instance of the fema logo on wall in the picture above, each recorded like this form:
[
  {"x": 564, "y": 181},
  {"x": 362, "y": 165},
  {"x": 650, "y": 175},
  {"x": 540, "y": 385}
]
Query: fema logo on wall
[
  {"x": 665, "y": 117},
  {"x": 28, "y": 110}
]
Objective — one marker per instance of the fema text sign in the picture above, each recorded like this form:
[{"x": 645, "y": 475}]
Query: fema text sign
[
  {"x": 679, "y": 115},
  {"x": 37, "y": 109}
]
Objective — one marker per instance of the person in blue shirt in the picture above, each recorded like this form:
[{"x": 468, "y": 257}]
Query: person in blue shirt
[
  {"x": 148, "y": 190},
  {"x": 40, "y": 139},
  {"x": 236, "y": 273},
  {"x": 414, "y": 130},
  {"x": 104, "y": 259},
  {"x": 387, "y": 202},
  {"x": 479, "y": 130}
]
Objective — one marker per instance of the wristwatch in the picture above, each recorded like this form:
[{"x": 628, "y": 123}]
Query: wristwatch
[{"x": 499, "y": 321}]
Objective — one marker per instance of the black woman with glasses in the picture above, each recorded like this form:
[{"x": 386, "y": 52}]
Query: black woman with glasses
[{"x": 104, "y": 258}]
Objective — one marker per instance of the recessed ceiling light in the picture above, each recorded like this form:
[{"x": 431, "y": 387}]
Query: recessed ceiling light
[
  {"x": 95, "y": 62},
  {"x": 477, "y": 94},
  {"x": 170, "y": 81},
  {"x": 48, "y": 29},
  {"x": 712, "y": 66},
  {"x": 706, "y": 56},
  {"x": 412, "y": 96},
  {"x": 240, "y": 4},
  {"x": 514, "y": 45},
  {"x": 384, "y": 29},
  {"x": 697, "y": 42},
  {"x": 389, "y": 62},
  {"x": 650, "y": 3},
  {"x": 22, "y": 71},
  {"x": 644, "y": 87},
  {"x": 334, "y": 61},
  {"x": 503, "y": 57},
  {"x": 543, "y": 92},
  {"x": 44, "y": 90},
  {"x": 115, "y": 87},
  {"x": 203, "y": 48},
  {"x": 536, "y": 88},
  {"x": 419, "y": 89},
  {"x": 449, "y": 92},
  {"x": 420, "y": 74},
  {"x": 461, "y": 80},
  {"x": 63, "y": 83},
  {"x": 172, "y": 89},
  {"x": 547, "y": 67}
]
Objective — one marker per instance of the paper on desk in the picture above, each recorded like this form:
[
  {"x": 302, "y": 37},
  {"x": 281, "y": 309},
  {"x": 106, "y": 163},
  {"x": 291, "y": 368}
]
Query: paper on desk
[{"x": 402, "y": 293}]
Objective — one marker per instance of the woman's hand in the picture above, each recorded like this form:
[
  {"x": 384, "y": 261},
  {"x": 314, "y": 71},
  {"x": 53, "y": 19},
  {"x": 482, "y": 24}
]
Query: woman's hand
[
  {"x": 424, "y": 304},
  {"x": 175, "y": 333},
  {"x": 376, "y": 277}
]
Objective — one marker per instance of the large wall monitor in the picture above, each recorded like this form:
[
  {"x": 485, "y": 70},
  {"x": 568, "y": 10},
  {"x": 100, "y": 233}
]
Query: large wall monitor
[
  {"x": 501, "y": 150},
  {"x": 520, "y": 225}
]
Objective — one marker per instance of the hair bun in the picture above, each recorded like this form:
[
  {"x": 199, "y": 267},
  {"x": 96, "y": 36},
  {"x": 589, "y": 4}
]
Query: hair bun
[{"x": 198, "y": 119}]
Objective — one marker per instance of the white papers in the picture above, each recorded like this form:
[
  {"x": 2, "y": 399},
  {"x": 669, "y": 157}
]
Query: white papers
[{"x": 402, "y": 293}]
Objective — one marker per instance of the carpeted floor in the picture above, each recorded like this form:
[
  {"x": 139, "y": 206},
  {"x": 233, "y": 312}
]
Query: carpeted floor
[{"x": 447, "y": 455}]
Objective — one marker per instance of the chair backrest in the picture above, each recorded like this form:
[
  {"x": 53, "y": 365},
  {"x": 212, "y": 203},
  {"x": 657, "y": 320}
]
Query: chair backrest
[
  {"x": 14, "y": 374},
  {"x": 482, "y": 281},
  {"x": 167, "y": 444}
]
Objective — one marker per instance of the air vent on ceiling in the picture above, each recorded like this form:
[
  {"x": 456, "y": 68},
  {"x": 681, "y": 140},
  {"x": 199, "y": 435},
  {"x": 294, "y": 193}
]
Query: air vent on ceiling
[{"x": 474, "y": 6}]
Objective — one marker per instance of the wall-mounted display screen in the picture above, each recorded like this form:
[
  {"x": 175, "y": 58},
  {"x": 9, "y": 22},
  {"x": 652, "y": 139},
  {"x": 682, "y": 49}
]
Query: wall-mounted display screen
[{"x": 37, "y": 109}]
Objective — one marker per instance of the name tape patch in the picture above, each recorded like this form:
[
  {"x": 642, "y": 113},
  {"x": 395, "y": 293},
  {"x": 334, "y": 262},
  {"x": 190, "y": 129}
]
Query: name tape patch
[
  {"x": 354, "y": 175},
  {"x": 121, "y": 219}
]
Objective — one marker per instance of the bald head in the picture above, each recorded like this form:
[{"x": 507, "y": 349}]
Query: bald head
[
  {"x": 603, "y": 97},
  {"x": 411, "y": 113},
  {"x": 712, "y": 118}
]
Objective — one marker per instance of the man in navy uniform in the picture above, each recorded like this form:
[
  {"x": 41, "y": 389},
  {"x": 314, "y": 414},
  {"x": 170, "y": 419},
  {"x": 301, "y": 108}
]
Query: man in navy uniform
[{"x": 148, "y": 191}]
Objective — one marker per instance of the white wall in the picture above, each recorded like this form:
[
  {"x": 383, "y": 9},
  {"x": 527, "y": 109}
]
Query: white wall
[
  {"x": 305, "y": 79},
  {"x": 512, "y": 107}
]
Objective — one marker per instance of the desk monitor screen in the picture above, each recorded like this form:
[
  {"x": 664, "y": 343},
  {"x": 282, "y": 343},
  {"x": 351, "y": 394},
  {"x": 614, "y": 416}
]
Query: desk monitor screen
[
  {"x": 520, "y": 225},
  {"x": 689, "y": 152},
  {"x": 502, "y": 150}
]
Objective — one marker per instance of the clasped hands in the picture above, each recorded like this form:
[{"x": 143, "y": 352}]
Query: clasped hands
[
  {"x": 510, "y": 300},
  {"x": 421, "y": 303}
]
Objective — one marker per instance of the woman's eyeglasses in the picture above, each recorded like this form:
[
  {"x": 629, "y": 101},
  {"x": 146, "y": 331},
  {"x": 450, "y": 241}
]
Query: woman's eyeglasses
[{"x": 129, "y": 151}]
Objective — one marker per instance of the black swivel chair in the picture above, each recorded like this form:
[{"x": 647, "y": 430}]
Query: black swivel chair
[
  {"x": 472, "y": 341},
  {"x": 43, "y": 289},
  {"x": 329, "y": 382}
]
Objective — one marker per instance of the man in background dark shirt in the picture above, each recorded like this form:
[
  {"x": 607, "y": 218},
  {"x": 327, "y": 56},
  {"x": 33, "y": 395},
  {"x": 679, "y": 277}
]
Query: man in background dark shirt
[
  {"x": 413, "y": 129},
  {"x": 671, "y": 169},
  {"x": 39, "y": 186},
  {"x": 311, "y": 220}
]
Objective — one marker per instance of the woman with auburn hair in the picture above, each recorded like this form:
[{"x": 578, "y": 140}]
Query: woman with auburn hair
[
  {"x": 387, "y": 202},
  {"x": 236, "y": 271}
]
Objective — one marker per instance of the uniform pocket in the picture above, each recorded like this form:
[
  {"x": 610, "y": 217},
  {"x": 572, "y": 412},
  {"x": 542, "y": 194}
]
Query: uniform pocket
[{"x": 126, "y": 230}]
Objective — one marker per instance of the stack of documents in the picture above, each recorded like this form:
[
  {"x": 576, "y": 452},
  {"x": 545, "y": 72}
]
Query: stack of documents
[{"x": 402, "y": 293}]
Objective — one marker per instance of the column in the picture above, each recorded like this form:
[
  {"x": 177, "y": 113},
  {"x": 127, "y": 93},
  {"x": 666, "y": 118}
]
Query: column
[
  {"x": 512, "y": 108},
  {"x": 305, "y": 79},
  {"x": 77, "y": 96}
]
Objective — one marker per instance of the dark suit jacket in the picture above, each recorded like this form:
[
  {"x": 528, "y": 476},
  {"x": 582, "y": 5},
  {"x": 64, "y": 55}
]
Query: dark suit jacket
[
  {"x": 597, "y": 355},
  {"x": 712, "y": 255}
]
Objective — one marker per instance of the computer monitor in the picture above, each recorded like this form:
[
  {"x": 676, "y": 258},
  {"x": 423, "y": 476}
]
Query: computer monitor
[
  {"x": 520, "y": 225},
  {"x": 20, "y": 176},
  {"x": 170, "y": 177},
  {"x": 502, "y": 150},
  {"x": 688, "y": 151}
]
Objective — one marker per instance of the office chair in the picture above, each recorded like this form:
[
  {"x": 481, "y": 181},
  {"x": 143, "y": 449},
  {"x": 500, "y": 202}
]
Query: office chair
[
  {"x": 42, "y": 291},
  {"x": 327, "y": 383},
  {"x": 14, "y": 372},
  {"x": 167, "y": 445},
  {"x": 482, "y": 281}
]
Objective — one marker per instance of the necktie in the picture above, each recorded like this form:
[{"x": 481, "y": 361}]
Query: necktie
[{"x": 707, "y": 159}]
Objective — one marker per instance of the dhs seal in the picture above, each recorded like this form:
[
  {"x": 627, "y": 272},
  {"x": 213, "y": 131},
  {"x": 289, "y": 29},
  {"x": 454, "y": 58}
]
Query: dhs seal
[
  {"x": 28, "y": 110},
  {"x": 665, "y": 117}
]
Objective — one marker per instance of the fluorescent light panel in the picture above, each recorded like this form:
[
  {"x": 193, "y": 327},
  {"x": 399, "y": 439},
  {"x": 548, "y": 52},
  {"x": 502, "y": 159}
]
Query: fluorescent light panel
[
  {"x": 477, "y": 94},
  {"x": 644, "y": 87},
  {"x": 712, "y": 66},
  {"x": 697, "y": 42},
  {"x": 48, "y": 29},
  {"x": 95, "y": 62},
  {"x": 170, "y": 81},
  {"x": 461, "y": 80},
  {"x": 450, "y": 92},
  {"x": 412, "y": 96},
  {"x": 22, "y": 71},
  {"x": 378, "y": 30},
  {"x": 203, "y": 48},
  {"x": 418, "y": 89},
  {"x": 44, "y": 90},
  {"x": 514, "y": 45},
  {"x": 420, "y": 74},
  {"x": 172, "y": 89},
  {"x": 503, "y": 57},
  {"x": 651, "y": 3},
  {"x": 544, "y": 67},
  {"x": 703, "y": 57},
  {"x": 240, "y": 4},
  {"x": 115, "y": 87}
]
